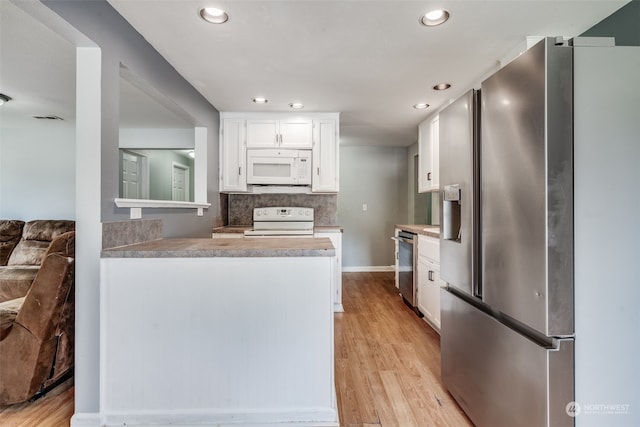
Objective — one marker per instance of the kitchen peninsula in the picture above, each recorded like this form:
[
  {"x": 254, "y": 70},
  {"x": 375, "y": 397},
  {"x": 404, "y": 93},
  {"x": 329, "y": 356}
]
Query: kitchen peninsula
[{"x": 218, "y": 332}]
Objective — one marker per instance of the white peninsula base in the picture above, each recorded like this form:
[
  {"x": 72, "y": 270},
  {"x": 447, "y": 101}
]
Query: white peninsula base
[{"x": 215, "y": 341}]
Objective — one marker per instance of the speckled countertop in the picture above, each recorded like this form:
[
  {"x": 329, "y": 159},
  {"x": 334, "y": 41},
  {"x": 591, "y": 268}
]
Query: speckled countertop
[
  {"x": 206, "y": 248},
  {"x": 242, "y": 228},
  {"x": 427, "y": 230}
]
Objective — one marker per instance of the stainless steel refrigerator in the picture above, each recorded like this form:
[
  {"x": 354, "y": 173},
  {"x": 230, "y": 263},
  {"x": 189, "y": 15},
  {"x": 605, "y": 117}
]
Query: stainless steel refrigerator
[{"x": 507, "y": 243}]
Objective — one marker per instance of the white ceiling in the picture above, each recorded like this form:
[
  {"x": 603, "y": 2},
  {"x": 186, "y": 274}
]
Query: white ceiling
[
  {"x": 37, "y": 69},
  {"x": 369, "y": 60}
]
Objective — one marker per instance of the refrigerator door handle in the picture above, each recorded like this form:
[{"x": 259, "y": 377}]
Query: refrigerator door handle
[{"x": 477, "y": 288}]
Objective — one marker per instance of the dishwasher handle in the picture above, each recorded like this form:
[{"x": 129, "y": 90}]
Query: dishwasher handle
[{"x": 404, "y": 240}]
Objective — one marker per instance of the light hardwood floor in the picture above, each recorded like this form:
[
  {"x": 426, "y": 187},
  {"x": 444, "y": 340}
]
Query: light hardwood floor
[
  {"x": 53, "y": 410},
  {"x": 388, "y": 360},
  {"x": 387, "y": 363}
]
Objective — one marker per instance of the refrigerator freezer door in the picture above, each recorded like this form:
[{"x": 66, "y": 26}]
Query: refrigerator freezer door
[
  {"x": 526, "y": 189},
  {"x": 459, "y": 207},
  {"x": 499, "y": 377}
]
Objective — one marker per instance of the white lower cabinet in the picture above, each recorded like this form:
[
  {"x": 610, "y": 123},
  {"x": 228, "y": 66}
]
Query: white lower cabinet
[
  {"x": 428, "y": 280},
  {"x": 336, "y": 277},
  {"x": 336, "y": 240}
]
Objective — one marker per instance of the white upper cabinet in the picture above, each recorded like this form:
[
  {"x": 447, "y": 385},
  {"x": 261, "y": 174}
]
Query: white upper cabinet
[
  {"x": 287, "y": 132},
  {"x": 233, "y": 155},
  {"x": 318, "y": 132},
  {"x": 262, "y": 133},
  {"x": 296, "y": 133},
  {"x": 428, "y": 156},
  {"x": 325, "y": 157}
]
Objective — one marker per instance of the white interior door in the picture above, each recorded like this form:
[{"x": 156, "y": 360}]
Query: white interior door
[
  {"x": 131, "y": 176},
  {"x": 180, "y": 183}
]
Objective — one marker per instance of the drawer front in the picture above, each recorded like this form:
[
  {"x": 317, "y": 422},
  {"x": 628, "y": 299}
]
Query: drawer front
[{"x": 429, "y": 247}]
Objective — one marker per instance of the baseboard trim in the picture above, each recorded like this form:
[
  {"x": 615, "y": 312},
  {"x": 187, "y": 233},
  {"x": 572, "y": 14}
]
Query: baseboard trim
[
  {"x": 87, "y": 419},
  {"x": 368, "y": 269},
  {"x": 213, "y": 418}
]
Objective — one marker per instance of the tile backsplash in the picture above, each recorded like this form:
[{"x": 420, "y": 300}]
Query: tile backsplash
[{"x": 240, "y": 206}]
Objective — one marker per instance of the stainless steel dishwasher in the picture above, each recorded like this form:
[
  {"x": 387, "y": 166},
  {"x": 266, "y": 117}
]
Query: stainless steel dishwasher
[{"x": 406, "y": 267}]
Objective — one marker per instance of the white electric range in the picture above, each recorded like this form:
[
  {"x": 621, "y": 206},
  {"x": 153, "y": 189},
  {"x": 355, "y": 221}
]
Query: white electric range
[{"x": 282, "y": 221}]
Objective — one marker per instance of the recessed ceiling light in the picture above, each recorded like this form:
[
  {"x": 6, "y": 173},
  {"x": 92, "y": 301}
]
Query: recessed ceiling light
[
  {"x": 4, "y": 98},
  {"x": 442, "y": 86},
  {"x": 214, "y": 15},
  {"x": 260, "y": 100},
  {"x": 435, "y": 17},
  {"x": 296, "y": 105},
  {"x": 421, "y": 106}
]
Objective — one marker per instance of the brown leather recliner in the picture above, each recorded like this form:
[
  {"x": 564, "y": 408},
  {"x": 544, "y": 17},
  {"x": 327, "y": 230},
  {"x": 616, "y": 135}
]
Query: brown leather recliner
[
  {"x": 36, "y": 345},
  {"x": 23, "y": 247}
]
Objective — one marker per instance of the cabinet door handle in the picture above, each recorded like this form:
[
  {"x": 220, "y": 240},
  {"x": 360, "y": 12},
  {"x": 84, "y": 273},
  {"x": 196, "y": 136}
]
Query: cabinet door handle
[
  {"x": 239, "y": 170},
  {"x": 430, "y": 275},
  {"x": 428, "y": 176},
  {"x": 318, "y": 171}
]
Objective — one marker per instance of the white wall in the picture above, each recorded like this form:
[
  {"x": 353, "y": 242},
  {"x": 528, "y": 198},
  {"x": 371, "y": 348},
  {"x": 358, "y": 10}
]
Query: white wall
[
  {"x": 377, "y": 177},
  {"x": 157, "y": 138},
  {"x": 105, "y": 40},
  {"x": 607, "y": 235},
  {"x": 37, "y": 172},
  {"x": 120, "y": 44}
]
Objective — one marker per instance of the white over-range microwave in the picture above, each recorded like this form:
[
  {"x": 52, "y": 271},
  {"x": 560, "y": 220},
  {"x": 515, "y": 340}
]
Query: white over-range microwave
[{"x": 278, "y": 167}]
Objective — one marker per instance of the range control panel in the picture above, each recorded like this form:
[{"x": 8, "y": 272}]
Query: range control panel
[{"x": 283, "y": 214}]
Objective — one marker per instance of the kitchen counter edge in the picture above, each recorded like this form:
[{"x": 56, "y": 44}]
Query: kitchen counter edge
[
  {"x": 431, "y": 230},
  {"x": 236, "y": 248}
]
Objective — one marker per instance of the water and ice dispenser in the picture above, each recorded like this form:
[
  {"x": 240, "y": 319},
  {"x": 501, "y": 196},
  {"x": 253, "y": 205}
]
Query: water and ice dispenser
[{"x": 452, "y": 213}]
